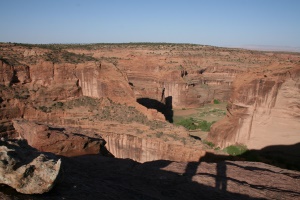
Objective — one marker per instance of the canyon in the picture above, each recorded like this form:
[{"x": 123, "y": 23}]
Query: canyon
[{"x": 117, "y": 100}]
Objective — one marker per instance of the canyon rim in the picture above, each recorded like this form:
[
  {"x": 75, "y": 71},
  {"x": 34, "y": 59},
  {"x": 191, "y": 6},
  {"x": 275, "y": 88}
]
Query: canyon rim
[{"x": 88, "y": 103}]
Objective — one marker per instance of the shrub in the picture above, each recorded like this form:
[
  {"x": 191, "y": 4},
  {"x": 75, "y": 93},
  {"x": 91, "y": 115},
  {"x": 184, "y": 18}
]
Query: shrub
[
  {"x": 58, "y": 104},
  {"x": 216, "y": 101},
  {"x": 205, "y": 125},
  {"x": 44, "y": 109}
]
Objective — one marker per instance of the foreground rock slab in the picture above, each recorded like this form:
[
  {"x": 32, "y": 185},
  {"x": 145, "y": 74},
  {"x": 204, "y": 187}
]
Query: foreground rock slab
[
  {"x": 25, "y": 169},
  {"x": 92, "y": 177}
]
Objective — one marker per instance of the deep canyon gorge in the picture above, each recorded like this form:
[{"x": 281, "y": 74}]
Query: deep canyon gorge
[{"x": 117, "y": 100}]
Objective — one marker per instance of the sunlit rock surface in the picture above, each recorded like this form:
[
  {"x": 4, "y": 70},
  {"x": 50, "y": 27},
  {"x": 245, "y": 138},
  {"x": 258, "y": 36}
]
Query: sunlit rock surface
[
  {"x": 264, "y": 109},
  {"x": 25, "y": 169}
]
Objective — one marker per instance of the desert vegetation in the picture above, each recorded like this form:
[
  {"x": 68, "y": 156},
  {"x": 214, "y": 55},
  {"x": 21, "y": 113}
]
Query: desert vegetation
[
  {"x": 200, "y": 118},
  {"x": 193, "y": 124}
]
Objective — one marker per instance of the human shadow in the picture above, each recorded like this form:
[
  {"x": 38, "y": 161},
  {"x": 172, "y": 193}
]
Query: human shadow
[
  {"x": 94, "y": 177},
  {"x": 220, "y": 178}
]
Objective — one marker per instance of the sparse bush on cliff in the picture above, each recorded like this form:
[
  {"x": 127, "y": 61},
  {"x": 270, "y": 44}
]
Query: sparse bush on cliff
[
  {"x": 22, "y": 94},
  {"x": 44, "y": 109},
  {"x": 58, "y": 104}
]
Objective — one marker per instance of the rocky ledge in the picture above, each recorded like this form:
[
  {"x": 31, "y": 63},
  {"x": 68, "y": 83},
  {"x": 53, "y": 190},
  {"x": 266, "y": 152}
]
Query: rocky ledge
[{"x": 96, "y": 177}]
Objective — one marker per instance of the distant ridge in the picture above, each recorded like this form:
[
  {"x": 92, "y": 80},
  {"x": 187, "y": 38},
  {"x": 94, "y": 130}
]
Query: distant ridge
[{"x": 270, "y": 48}]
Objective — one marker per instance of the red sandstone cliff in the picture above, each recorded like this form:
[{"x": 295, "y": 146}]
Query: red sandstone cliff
[
  {"x": 263, "y": 110},
  {"x": 97, "y": 88}
]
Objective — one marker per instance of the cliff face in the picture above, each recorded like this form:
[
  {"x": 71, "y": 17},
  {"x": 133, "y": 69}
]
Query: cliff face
[
  {"x": 143, "y": 149},
  {"x": 263, "y": 110},
  {"x": 186, "y": 87},
  {"x": 189, "y": 75},
  {"x": 105, "y": 80}
]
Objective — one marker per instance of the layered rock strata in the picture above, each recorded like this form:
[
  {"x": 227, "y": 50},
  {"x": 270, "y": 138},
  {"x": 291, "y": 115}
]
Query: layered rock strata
[
  {"x": 71, "y": 85},
  {"x": 148, "y": 149},
  {"x": 263, "y": 110}
]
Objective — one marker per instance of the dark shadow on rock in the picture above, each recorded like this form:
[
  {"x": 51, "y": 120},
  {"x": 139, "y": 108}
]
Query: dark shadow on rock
[
  {"x": 56, "y": 129},
  {"x": 165, "y": 108},
  {"x": 221, "y": 179},
  {"x": 284, "y": 156},
  {"x": 24, "y": 153},
  {"x": 169, "y": 109},
  {"x": 96, "y": 177},
  {"x": 222, "y": 163},
  {"x": 195, "y": 137}
]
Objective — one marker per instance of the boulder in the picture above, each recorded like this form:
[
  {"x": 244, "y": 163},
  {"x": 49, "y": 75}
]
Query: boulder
[{"x": 25, "y": 169}]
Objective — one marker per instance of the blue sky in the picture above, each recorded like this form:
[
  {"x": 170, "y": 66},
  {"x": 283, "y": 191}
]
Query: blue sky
[{"x": 209, "y": 22}]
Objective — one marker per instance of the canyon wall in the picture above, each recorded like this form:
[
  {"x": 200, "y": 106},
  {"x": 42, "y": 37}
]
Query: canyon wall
[
  {"x": 105, "y": 80},
  {"x": 264, "y": 109},
  {"x": 88, "y": 88},
  {"x": 185, "y": 88},
  {"x": 144, "y": 149}
]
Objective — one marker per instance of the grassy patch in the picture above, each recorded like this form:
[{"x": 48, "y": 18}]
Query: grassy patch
[
  {"x": 210, "y": 144},
  {"x": 235, "y": 150}
]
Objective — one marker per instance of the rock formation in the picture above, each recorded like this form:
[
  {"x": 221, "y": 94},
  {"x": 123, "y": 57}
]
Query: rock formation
[
  {"x": 25, "y": 169},
  {"x": 264, "y": 109},
  {"x": 60, "y": 141},
  {"x": 49, "y": 84}
]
